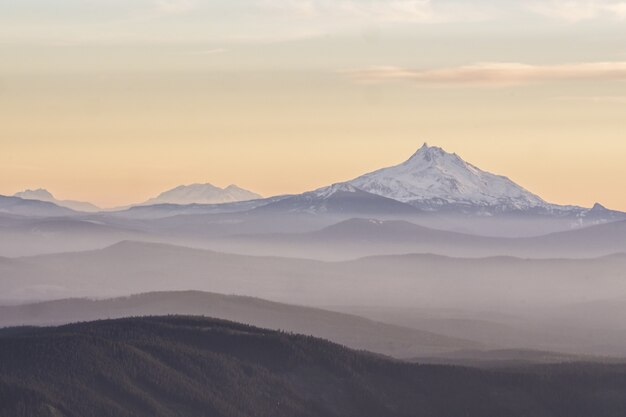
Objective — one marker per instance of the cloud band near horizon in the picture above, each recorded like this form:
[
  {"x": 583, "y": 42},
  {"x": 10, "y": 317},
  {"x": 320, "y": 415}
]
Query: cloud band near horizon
[{"x": 494, "y": 74}]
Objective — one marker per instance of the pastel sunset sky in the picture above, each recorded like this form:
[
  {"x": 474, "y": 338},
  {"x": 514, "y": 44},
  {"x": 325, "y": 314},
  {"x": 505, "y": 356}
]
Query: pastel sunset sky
[{"x": 114, "y": 101}]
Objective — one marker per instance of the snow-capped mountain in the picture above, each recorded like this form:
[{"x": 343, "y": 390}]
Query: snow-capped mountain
[
  {"x": 203, "y": 194},
  {"x": 41, "y": 194},
  {"x": 433, "y": 178}
]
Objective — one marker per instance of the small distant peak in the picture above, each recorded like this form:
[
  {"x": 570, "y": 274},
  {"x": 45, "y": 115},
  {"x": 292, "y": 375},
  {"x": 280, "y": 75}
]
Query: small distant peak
[
  {"x": 39, "y": 193},
  {"x": 598, "y": 207}
]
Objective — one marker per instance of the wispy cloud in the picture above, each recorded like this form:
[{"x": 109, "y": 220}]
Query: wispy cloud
[
  {"x": 416, "y": 11},
  {"x": 496, "y": 74},
  {"x": 579, "y": 10}
]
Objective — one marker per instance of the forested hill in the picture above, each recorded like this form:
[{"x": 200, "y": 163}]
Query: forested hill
[{"x": 192, "y": 367}]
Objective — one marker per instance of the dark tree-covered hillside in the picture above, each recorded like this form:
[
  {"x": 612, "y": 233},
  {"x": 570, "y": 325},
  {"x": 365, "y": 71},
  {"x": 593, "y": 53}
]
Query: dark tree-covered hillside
[{"x": 192, "y": 367}]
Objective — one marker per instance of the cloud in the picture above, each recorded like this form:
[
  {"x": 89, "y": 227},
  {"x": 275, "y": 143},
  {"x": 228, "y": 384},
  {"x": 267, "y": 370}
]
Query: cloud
[
  {"x": 579, "y": 10},
  {"x": 496, "y": 74},
  {"x": 410, "y": 11}
]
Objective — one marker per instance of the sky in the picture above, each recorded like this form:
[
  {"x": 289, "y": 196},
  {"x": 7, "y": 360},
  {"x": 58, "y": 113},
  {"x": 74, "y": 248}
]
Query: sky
[{"x": 114, "y": 101}]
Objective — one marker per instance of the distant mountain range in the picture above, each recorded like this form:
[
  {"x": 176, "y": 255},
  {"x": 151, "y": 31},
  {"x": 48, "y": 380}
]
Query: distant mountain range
[
  {"x": 203, "y": 194},
  {"x": 430, "y": 181}
]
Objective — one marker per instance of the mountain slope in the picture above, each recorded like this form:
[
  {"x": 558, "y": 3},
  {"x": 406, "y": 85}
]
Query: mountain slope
[
  {"x": 339, "y": 199},
  {"x": 44, "y": 195},
  {"x": 203, "y": 194},
  {"x": 185, "y": 366},
  {"x": 349, "y": 330}
]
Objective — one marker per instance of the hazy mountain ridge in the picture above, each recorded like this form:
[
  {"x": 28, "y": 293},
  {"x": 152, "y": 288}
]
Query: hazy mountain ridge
[
  {"x": 517, "y": 287},
  {"x": 22, "y": 207},
  {"x": 36, "y": 235},
  {"x": 349, "y": 330},
  {"x": 359, "y": 237}
]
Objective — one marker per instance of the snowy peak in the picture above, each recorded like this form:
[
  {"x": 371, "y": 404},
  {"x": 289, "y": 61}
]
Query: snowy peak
[
  {"x": 427, "y": 154},
  {"x": 433, "y": 178},
  {"x": 42, "y": 194},
  {"x": 203, "y": 194},
  {"x": 433, "y": 157}
]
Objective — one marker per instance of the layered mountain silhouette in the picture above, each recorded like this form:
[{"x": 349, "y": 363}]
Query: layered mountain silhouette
[
  {"x": 507, "y": 285},
  {"x": 346, "y": 329},
  {"x": 430, "y": 181}
]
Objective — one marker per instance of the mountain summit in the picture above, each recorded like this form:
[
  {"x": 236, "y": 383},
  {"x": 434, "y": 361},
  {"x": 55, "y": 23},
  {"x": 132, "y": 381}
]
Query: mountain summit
[
  {"x": 203, "y": 194},
  {"x": 433, "y": 178}
]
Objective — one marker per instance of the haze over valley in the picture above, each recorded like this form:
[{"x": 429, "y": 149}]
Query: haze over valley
[
  {"x": 510, "y": 270},
  {"x": 312, "y": 208}
]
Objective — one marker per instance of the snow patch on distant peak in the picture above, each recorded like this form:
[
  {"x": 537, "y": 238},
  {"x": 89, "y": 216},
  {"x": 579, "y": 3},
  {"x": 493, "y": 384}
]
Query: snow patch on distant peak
[{"x": 203, "y": 194}]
